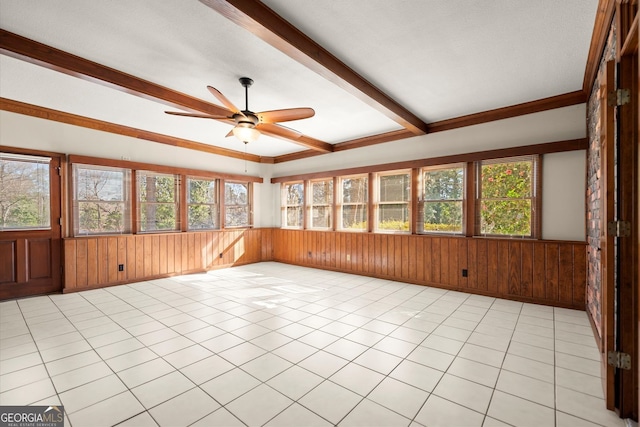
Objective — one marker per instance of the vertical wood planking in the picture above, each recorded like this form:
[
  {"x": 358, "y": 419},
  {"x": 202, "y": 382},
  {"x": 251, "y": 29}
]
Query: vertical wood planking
[
  {"x": 515, "y": 268},
  {"x": 69, "y": 264},
  {"x": 539, "y": 270},
  {"x": 425, "y": 259},
  {"x": 92, "y": 262},
  {"x": 412, "y": 256},
  {"x": 435, "y": 260},
  {"x": 565, "y": 273},
  {"x": 122, "y": 258},
  {"x": 492, "y": 266},
  {"x": 503, "y": 267},
  {"x": 579, "y": 276},
  {"x": 526, "y": 275},
  {"x": 82, "y": 266},
  {"x": 103, "y": 262},
  {"x": 463, "y": 262},
  {"x": 552, "y": 258},
  {"x": 472, "y": 263},
  {"x": 139, "y": 257}
]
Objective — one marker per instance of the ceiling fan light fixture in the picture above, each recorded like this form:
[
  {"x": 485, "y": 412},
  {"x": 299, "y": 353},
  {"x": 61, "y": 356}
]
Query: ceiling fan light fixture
[{"x": 246, "y": 132}]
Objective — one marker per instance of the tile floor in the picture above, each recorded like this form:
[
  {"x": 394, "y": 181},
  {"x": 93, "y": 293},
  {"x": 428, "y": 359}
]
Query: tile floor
[{"x": 279, "y": 345}]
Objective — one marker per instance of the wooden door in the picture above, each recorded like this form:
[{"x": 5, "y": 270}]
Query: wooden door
[
  {"x": 30, "y": 231},
  {"x": 607, "y": 241}
]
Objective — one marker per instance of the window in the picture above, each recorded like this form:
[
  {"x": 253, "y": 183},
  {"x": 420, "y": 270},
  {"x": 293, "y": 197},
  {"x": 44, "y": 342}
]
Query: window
[
  {"x": 237, "y": 204},
  {"x": 293, "y": 204},
  {"x": 393, "y": 199},
  {"x": 24, "y": 192},
  {"x": 101, "y": 200},
  {"x": 203, "y": 212},
  {"x": 321, "y": 203},
  {"x": 506, "y": 197},
  {"x": 442, "y": 199},
  {"x": 354, "y": 200},
  {"x": 158, "y": 208}
]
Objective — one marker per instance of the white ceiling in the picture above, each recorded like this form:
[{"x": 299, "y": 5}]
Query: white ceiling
[{"x": 439, "y": 59}]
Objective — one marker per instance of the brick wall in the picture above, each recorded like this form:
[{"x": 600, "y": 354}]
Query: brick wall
[{"x": 594, "y": 190}]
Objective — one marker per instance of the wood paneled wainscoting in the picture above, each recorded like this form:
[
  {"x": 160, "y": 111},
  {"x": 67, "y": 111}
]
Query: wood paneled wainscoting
[
  {"x": 94, "y": 262},
  {"x": 537, "y": 271}
]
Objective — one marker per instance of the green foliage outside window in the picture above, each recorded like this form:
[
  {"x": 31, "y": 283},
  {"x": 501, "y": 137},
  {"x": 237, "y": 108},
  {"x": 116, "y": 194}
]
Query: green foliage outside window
[
  {"x": 506, "y": 198},
  {"x": 393, "y": 202},
  {"x": 321, "y": 201},
  {"x": 24, "y": 194},
  {"x": 443, "y": 192},
  {"x": 101, "y": 200},
  {"x": 354, "y": 203},
  {"x": 237, "y": 209},
  {"x": 157, "y": 195},
  {"x": 203, "y": 212}
]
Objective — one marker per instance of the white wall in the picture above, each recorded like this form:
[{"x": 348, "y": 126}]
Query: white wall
[
  {"x": 563, "y": 215},
  {"x": 563, "y": 196}
]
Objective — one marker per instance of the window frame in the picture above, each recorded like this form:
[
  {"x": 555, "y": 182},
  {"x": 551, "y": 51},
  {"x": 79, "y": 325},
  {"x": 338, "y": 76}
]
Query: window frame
[
  {"x": 249, "y": 204},
  {"x": 127, "y": 199},
  {"x": 340, "y": 204},
  {"x": 285, "y": 206},
  {"x": 177, "y": 201},
  {"x": 377, "y": 203},
  {"x": 329, "y": 206},
  {"x": 422, "y": 200},
  {"x": 536, "y": 195},
  {"x": 46, "y": 215},
  {"x": 216, "y": 204}
]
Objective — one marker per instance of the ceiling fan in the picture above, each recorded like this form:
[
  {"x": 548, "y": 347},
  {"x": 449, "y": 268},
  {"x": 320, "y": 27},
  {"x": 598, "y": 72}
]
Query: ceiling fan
[{"x": 249, "y": 125}]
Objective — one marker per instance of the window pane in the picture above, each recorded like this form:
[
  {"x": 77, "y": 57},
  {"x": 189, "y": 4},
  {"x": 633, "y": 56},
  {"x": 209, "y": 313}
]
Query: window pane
[
  {"x": 237, "y": 204},
  {"x": 506, "y": 197},
  {"x": 294, "y": 193},
  {"x": 443, "y": 184},
  {"x": 355, "y": 190},
  {"x": 322, "y": 192},
  {"x": 102, "y": 202},
  {"x": 202, "y": 191},
  {"x": 394, "y": 188},
  {"x": 158, "y": 207},
  {"x": 354, "y": 217},
  {"x": 294, "y": 216},
  {"x": 443, "y": 216},
  {"x": 203, "y": 209},
  {"x": 321, "y": 217},
  {"x": 506, "y": 217},
  {"x": 203, "y": 217},
  {"x": 393, "y": 217},
  {"x": 236, "y": 193},
  {"x": 236, "y": 216},
  {"x": 507, "y": 180},
  {"x": 24, "y": 193}
]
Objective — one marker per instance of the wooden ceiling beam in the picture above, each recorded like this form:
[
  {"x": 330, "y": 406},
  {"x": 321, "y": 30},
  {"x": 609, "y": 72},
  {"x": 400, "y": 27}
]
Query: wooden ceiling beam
[
  {"x": 89, "y": 123},
  {"x": 255, "y": 17},
  {"x": 49, "y": 57}
]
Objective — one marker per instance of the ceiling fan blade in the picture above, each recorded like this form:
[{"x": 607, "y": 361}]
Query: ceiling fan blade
[
  {"x": 200, "y": 116},
  {"x": 278, "y": 131},
  {"x": 215, "y": 92},
  {"x": 229, "y": 134},
  {"x": 286, "y": 115}
]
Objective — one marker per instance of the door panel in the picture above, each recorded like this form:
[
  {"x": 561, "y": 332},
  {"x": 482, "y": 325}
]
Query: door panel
[
  {"x": 607, "y": 242},
  {"x": 30, "y": 259}
]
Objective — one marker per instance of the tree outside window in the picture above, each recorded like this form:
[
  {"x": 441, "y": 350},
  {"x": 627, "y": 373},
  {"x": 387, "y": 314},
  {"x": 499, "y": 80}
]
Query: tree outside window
[
  {"x": 203, "y": 206},
  {"x": 355, "y": 195},
  {"x": 506, "y": 196},
  {"x": 442, "y": 199},
  {"x": 101, "y": 199},
  {"x": 158, "y": 201},
  {"x": 321, "y": 203},
  {"x": 237, "y": 204},
  {"x": 293, "y": 204},
  {"x": 394, "y": 191},
  {"x": 24, "y": 192}
]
